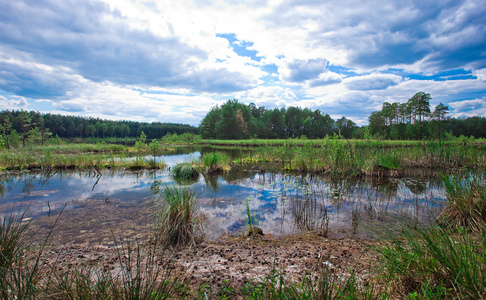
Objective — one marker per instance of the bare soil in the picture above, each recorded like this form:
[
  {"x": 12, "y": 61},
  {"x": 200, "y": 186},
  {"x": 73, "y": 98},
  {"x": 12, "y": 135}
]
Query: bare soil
[{"x": 89, "y": 235}]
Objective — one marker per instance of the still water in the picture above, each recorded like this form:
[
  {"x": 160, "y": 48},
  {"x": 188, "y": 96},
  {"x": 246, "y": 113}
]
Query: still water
[{"x": 278, "y": 203}]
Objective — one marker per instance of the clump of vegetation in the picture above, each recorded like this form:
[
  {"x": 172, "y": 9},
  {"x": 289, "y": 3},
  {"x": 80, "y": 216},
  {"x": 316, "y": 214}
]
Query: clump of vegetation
[
  {"x": 436, "y": 264},
  {"x": 179, "y": 223},
  {"x": 184, "y": 173},
  {"x": 13, "y": 234},
  {"x": 466, "y": 203},
  {"x": 215, "y": 162}
]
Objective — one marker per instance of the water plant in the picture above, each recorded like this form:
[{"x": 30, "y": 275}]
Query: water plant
[
  {"x": 184, "y": 173},
  {"x": 252, "y": 230},
  {"x": 178, "y": 222},
  {"x": 215, "y": 162},
  {"x": 466, "y": 203}
]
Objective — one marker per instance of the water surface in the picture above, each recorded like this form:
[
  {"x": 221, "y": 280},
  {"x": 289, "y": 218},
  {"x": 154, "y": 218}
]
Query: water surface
[{"x": 278, "y": 203}]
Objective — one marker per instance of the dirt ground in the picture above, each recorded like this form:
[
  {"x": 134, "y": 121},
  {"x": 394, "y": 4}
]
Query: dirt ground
[{"x": 91, "y": 234}]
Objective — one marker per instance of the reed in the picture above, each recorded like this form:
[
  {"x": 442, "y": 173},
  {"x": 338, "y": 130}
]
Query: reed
[
  {"x": 184, "y": 173},
  {"x": 435, "y": 264},
  {"x": 466, "y": 203},
  {"x": 178, "y": 222},
  {"x": 215, "y": 162}
]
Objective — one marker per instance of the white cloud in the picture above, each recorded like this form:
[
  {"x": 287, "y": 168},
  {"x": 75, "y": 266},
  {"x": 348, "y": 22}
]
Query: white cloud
[
  {"x": 13, "y": 103},
  {"x": 163, "y": 60},
  {"x": 301, "y": 70},
  {"x": 372, "y": 82}
]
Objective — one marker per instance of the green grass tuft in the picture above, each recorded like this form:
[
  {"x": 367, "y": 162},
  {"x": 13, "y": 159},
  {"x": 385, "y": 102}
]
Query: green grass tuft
[
  {"x": 466, "y": 203},
  {"x": 178, "y": 221},
  {"x": 184, "y": 173}
]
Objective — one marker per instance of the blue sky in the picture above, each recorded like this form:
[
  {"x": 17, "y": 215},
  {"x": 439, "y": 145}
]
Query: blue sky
[{"x": 171, "y": 61}]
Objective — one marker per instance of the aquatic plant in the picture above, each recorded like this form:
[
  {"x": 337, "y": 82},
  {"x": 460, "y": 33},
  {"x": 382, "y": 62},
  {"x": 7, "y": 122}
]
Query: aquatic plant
[
  {"x": 178, "y": 222},
  {"x": 466, "y": 203},
  {"x": 184, "y": 173},
  {"x": 215, "y": 162}
]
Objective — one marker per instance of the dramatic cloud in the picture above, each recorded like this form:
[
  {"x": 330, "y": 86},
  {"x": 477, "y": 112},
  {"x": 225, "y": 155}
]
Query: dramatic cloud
[
  {"x": 302, "y": 70},
  {"x": 174, "y": 60},
  {"x": 372, "y": 82}
]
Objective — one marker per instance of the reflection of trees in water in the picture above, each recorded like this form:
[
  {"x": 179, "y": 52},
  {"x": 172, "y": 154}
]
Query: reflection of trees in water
[
  {"x": 2, "y": 189},
  {"x": 211, "y": 182},
  {"x": 415, "y": 186}
]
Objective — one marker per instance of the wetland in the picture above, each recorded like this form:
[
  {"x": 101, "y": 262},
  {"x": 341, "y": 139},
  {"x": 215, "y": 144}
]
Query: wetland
[{"x": 331, "y": 219}]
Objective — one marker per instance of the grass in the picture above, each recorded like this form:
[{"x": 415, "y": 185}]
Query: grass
[
  {"x": 74, "y": 155},
  {"x": 215, "y": 162},
  {"x": 20, "y": 278},
  {"x": 466, "y": 203},
  {"x": 351, "y": 158},
  {"x": 138, "y": 276},
  {"x": 179, "y": 224},
  {"x": 435, "y": 264},
  {"x": 184, "y": 173}
]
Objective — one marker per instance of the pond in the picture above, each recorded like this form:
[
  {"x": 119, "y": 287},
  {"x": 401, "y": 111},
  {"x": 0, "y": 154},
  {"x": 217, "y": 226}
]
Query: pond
[{"x": 278, "y": 203}]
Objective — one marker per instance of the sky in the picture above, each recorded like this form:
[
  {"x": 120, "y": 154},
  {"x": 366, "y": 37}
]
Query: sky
[{"x": 172, "y": 61}]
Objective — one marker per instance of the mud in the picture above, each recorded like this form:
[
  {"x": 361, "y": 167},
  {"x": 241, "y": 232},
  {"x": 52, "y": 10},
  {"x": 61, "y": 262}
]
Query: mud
[{"x": 93, "y": 234}]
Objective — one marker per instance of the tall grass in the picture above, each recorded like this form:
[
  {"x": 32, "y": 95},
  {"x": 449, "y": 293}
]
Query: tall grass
[
  {"x": 466, "y": 203},
  {"x": 184, "y": 173},
  {"x": 436, "y": 264},
  {"x": 71, "y": 155},
  {"x": 179, "y": 224},
  {"x": 19, "y": 277},
  {"x": 345, "y": 158},
  {"x": 215, "y": 162}
]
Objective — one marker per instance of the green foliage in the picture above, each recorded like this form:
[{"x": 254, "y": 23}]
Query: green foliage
[
  {"x": 466, "y": 203},
  {"x": 79, "y": 127},
  {"x": 436, "y": 264},
  {"x": 215, "y": 161},
  {"x": 179, "y": 223},
  {"x": 234, "y": 120},
  {"x": 184, "y": 173}
]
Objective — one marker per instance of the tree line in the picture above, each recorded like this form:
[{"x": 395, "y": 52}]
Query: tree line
[
  {"x": 21, "y": 126},
  {"x": 235, "y": 120},
  {"x": 415, "y": 119},
  {"x": 411, "y": 120}
]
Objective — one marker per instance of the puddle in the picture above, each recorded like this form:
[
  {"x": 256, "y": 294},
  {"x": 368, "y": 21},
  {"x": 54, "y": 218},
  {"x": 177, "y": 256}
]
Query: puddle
[{"x": 280, "y": 204}]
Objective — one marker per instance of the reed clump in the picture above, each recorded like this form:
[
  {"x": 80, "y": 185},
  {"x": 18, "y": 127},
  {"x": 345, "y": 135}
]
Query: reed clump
[
  {"x": 466, "y": 203},
  {"x": 435, "y": 264},
  {"x": 178, "y": 221},
  {"x": 184, "y": 173},
  {"x": 215, "y": 162}
]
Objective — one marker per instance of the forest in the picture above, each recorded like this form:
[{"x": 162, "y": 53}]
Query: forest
[
  {"x": 413, "y": 120},
  {"x": 24, "y": 125}
]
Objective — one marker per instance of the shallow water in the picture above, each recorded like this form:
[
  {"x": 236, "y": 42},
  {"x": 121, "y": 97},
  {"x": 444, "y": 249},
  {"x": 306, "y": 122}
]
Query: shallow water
[{"x": 279, "y": 203}]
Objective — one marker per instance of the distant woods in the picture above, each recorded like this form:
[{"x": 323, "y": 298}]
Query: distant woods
[
  {"x": 235, "y": 120},
  {"x": 415, "y": 119},
  {"x": 411, "y": 120},
  {"x": 21, "y": 126}
]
